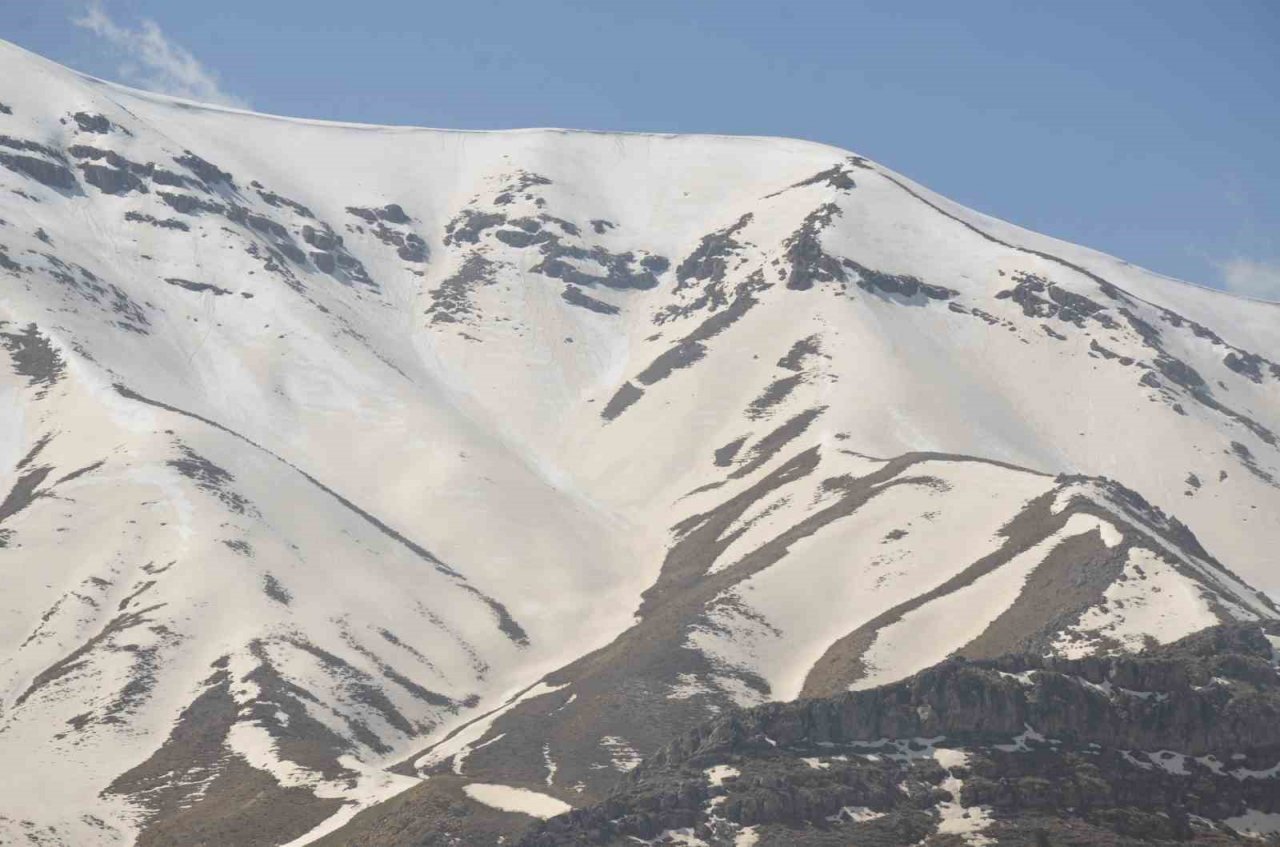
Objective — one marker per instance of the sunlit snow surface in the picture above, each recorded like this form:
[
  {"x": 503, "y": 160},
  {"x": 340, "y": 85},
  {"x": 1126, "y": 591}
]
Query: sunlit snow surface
[
  {"x": 378, "y": 488},
  {"x": 521, "y": 800}
]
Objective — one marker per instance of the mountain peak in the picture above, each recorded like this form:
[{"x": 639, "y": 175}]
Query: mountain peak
[{"x": 336, "y": 458}]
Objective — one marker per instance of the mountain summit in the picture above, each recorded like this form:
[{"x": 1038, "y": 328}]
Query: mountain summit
[{"x": 345, "y": 463}]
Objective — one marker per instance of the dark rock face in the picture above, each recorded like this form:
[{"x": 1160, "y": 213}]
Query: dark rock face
[
  {"x": 279, "y": 201},
  {"x": 392, "y": 213},
  {"x": 160, "y": 223},
  {"x": 409, "y": 245},
  {"x": 94, "y": 123},
  {"x": 574, "y": 297},
  {"x": 211, "y": 479},
  {"x": 1040, "y": 298},
  {"x": 111, "y": 180},
  {"x": 802, "y": 350},
  {"x": 1246, "y": 457},
  {"x": 620, "y": 268},
  {"x": 196, "y": 764},
  {"x": 33, "y": 356},
  {"x": 189, "y": 204},
  {"x": 834, "y": 177},
  {"x": 8, "y": 264},
  {"x": 519, "y": 186},
  {"x": 207, "y": 172},
  {"x": 691, "y": 348},
  {"x": 517, "y": 221},
  {"x": 48, "y": 167},
  {"x": 624, "y": 397},
  {"x": 1162, "y": 747},
  {"x": 112, "y": 173},
  {"x": 1063, "y": 701},
  {"x": 808, "y": 262},
  {"x": 710, "y": 261},
  {"x": 332, "y": 257},
  {"x": 837, "y": 176},
  {"x": 1246, "y": 364},
  {"x": 197, "y": 287},
  {"x": 775, "y": 393},
  {"x": 900, "y": 287},
  {"x": 414, "y": 249},
  {"x": 469, "y": 225},
  {"x": 452, "y": 300}
]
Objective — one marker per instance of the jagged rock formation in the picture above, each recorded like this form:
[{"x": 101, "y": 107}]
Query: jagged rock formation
[{"x": 1178, "y": 744}]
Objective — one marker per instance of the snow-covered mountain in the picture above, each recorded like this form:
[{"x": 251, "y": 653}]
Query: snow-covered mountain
[{"x": 332, "y": 456}]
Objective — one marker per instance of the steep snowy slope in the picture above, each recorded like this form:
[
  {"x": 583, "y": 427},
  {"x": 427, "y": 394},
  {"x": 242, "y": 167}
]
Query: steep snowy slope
[{"x": 320, "y": 443}]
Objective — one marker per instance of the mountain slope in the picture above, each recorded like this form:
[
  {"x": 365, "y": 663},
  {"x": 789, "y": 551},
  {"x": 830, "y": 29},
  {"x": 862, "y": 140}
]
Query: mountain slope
[
  {"x": 1171, "y": 746},
  {"x": 335, "y": 456}
]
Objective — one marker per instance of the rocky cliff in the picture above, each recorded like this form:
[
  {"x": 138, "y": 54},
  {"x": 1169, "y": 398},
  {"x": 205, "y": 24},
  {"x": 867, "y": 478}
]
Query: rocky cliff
[{"x": 1178, "y": 744}]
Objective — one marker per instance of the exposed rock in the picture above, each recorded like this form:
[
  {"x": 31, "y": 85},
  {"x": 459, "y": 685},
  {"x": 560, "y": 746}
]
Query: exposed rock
[
  {"x": 210, "y": 478},
  {"x": 624, "y": 397},
  {"x": 273, "y": 199},
  {"x": 808, "y": 263},
  {"x": 91, "y": 122},
  {"x": 574, "y": 296},
  {"x": 161, "y": 223},
  {"x": 469, "y": 225},
  {"x": 207, "y": 172},
  {"x": 198, "y": 287},
  {"x": 801, "y": 351},
  {"x": 899, "y": 287},
  {"x": 710, "y": 261},
  {"x": 33, "y": 356},
  {"x": 48, "y": 167},
  {"x": 1006, "y": 746},
  {"x": 837, "y": 176},
  {"x": 452, "y": 300}
]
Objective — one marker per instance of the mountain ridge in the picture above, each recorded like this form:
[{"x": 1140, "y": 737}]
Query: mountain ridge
[
  {"x": 835, "y": 150},
  {"x": 336, "y": 461}
]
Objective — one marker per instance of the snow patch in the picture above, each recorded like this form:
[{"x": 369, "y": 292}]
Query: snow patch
[
  {"x": 622, "y": 755},
  {"x": 520, "y": 800},
  {"x": 717, "y": 774},
  {"x": 1255, "y": 824},
  {"x": 1150, "y": 599}
]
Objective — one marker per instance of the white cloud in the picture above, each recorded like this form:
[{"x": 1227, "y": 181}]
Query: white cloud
[
  {"x": 1252, "y": 278},
  {"x": 154, "y": 62}
]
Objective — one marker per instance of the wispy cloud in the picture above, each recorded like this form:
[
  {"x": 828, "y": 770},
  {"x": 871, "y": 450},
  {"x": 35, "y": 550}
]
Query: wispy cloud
[
  {"x": 1252, "y": 277},
  {"x": 148, "y": 59}
]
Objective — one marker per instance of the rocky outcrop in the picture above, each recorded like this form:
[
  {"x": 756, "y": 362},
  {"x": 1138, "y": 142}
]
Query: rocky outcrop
[{"x": 1179, "y": 743}]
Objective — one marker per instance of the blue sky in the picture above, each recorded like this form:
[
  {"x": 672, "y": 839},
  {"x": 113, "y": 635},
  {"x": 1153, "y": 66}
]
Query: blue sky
[{"x": 1146, "y": 129}]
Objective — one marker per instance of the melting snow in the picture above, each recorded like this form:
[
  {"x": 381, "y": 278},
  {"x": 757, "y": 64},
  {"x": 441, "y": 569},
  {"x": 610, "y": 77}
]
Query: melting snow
[
  {"x": 719, "y": 773},
  {"x": 621, "y": 754},
  {"x": 550, "y": 763},
  {"x": 966, "y": 821},
  {"x": 520, "y": 800},
  {"x": 1152, "y": 599},
  {"x": 1256, "y": 824}
]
